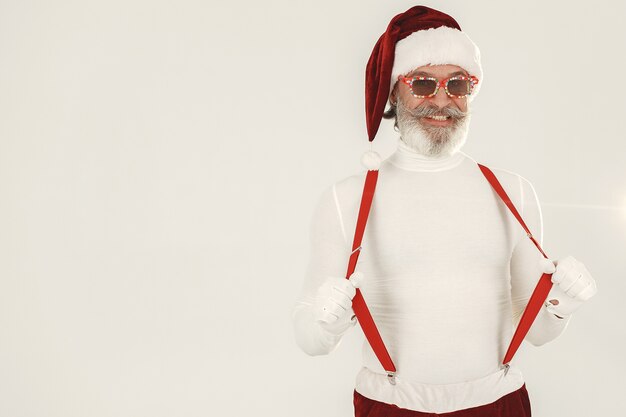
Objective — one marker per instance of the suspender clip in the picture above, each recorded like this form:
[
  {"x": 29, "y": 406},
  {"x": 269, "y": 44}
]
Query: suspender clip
[
  {"x": 506, "y": 367},
  {"x": 391, "y": 377}
]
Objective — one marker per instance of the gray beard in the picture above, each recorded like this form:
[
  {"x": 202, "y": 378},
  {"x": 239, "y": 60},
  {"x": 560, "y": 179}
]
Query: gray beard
[{"x": 433, "y": 141}]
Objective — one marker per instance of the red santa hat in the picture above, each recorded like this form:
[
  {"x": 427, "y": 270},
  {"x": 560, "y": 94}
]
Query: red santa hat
[{"x": 419, "y": 36}]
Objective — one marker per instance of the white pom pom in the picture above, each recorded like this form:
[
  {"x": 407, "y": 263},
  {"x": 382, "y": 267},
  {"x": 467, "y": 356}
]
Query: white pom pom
[{"x": 371, "y": 160}]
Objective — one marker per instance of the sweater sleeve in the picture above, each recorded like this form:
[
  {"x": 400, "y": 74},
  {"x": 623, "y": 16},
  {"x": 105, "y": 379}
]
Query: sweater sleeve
[
  {"x": 329, "y": 251},
  {"x": 526, "y": 271}
]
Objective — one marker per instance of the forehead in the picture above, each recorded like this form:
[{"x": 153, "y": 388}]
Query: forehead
[{"x": 439, "y": 70}]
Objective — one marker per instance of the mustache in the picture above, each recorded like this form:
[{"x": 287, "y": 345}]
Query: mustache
[{"x": 429, "y": 110}]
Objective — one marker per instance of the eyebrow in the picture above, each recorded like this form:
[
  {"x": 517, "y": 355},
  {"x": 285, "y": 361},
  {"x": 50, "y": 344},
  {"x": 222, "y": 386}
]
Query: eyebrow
[{"x": 431, "y": 75}]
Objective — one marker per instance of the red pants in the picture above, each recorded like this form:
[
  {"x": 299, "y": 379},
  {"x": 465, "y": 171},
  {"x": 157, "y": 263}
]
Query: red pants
[{"x": 514, "y": 404}]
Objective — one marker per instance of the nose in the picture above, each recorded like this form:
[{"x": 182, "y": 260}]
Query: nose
[{"x": 441, "y": 99}]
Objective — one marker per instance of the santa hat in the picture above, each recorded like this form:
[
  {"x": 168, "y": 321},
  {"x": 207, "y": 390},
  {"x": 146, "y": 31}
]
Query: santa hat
[{"x": 420, "y": 36}]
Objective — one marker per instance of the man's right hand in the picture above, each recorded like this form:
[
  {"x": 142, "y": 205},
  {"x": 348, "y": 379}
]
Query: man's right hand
[{"x": 333, "y": 303}]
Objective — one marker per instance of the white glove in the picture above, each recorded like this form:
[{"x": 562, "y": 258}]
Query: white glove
[
  {"x": 333, "y": 303},
  {"x": 572, "y": 286}
]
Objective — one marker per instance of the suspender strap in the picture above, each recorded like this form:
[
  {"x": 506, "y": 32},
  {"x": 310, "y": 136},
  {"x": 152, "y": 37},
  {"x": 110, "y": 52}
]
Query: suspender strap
[
  {"x": 544, "y": 285},
  {"x": 358, "y": 303}
]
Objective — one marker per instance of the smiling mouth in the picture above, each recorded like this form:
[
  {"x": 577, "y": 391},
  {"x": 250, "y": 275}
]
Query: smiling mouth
[{"x": 438, "y": 120}]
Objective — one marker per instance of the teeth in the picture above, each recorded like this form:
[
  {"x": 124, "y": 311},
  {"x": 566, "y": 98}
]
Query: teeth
[{"x": 438, "y": 117}]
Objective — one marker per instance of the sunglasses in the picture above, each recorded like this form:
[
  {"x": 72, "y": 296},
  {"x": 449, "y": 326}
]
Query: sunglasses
[{"x": 458, "y": 86}]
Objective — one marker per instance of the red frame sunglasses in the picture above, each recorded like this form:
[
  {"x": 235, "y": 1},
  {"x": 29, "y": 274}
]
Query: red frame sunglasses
[{"x": 473, "y": 80}]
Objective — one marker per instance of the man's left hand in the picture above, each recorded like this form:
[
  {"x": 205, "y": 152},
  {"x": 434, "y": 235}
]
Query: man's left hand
[{"x": 572, "y": 285}]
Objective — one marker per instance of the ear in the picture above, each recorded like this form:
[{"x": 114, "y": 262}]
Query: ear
[{"x": 393, "y": 97}]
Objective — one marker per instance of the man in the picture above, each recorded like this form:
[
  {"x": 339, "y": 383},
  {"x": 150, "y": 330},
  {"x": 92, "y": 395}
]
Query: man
[{"x": 445, "y": 269}]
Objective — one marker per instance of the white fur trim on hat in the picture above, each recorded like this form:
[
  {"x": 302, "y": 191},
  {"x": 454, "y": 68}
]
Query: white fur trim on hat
[{"x": 437, "y": 46}]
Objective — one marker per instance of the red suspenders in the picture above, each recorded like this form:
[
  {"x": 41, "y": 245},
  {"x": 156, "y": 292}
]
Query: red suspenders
[
  {"x": 358, "y": 303},
  {"x": 364, "y": 317},
  {"x": 544, "y": 285}
]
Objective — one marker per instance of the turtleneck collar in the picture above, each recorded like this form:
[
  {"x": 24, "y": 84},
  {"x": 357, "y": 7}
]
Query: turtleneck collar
[{"x": 408, "y": 158}]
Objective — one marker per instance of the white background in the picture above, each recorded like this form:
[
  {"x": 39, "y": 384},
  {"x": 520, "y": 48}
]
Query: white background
[{"x": 159, "y": 165}]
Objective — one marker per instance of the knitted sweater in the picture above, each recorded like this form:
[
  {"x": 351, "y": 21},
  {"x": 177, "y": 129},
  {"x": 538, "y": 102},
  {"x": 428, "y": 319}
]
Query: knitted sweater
[{"x": 448, "y": 272}]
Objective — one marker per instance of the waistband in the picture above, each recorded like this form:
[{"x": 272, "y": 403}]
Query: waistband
[{"x": 438, "y": 398}]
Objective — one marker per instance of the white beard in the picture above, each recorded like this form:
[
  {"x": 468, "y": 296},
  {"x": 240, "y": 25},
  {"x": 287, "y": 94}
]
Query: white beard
[{"x": 434, "y": 141}]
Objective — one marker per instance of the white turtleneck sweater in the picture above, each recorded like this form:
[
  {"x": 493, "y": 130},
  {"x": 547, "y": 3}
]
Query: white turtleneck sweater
[{"x": 448, "y": 272}]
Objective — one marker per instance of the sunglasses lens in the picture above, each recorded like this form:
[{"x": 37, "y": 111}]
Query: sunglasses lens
[
  {"x": 459, "y": 87},
  {"x": 423, "y": 87}
]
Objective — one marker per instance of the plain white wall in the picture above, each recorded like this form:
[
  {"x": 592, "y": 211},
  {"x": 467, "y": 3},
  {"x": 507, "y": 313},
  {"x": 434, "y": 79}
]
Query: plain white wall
[{"x": 159, "y": 164}]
